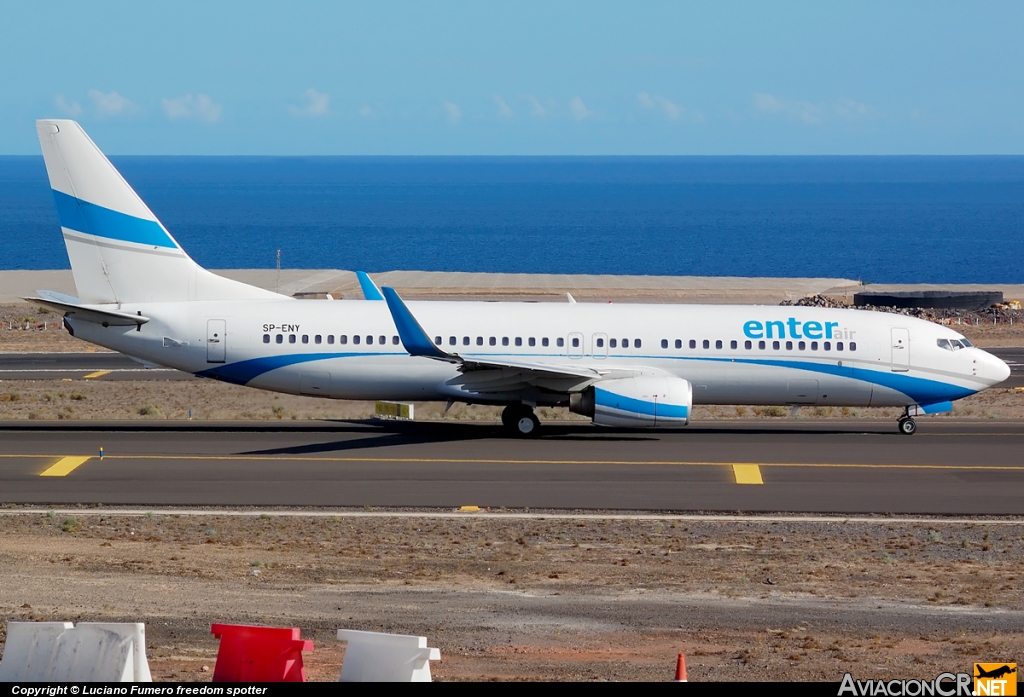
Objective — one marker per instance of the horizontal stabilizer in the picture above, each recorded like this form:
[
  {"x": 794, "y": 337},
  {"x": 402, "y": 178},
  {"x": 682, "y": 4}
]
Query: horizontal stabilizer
[{"x": 90, "y": 313}]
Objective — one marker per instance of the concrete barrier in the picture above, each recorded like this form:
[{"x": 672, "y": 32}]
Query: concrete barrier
[
  {"x": 61, "y": 652},
  {"x": 379, "y": 657}
]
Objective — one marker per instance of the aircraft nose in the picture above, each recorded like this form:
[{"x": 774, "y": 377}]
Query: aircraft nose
[{"x": 995, "y": 369}]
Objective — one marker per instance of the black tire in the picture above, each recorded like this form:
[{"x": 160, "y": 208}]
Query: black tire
[
  {"x": 527, "y": 425},
  {"x": 508, "y": 416},
  {"x": 908, "y": 427}
]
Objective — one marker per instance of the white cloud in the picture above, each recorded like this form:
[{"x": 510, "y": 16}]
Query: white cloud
[
  {"x": 653, "y": 101},
  {"x": 189, "y": 106},
  {"x": 810, "y": 112},
  {"x": 453, "y": 113},
  {"x": 365, "y": 111},
  {"x": 110, "y": 103},
  {"x": 504, "y": 110},
  {"x": 579, "y": 109},
  {"x": 69, "y": 108},
  {"x": 536, "y": 108},
  {"x": 317, "y": 104}
]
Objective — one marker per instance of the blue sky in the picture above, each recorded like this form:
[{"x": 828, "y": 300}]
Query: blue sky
[{"x": 519, "y": 78}]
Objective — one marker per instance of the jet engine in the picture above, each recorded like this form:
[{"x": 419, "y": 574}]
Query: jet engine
[{"x": 651, "y": 402}]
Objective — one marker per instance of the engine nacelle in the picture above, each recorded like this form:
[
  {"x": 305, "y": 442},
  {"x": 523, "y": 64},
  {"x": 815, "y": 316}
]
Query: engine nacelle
[{"x": 643, "y": 402}]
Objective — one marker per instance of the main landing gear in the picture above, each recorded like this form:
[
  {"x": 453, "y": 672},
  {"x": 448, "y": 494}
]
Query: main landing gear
[
  {"x": 907, "y": 425},
  {"x": 520, "y": 420}
]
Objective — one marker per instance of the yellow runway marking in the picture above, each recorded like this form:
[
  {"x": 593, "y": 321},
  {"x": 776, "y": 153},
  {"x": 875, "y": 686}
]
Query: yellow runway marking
[
  {"x": 65, "y": 466},
  {"x": 482, "y": 461},
  {"x": 747, "y": 474},
  {"x": 97, "y": 374}
]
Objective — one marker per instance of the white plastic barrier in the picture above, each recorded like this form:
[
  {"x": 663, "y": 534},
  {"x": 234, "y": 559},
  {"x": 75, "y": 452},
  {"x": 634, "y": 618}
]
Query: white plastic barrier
[
  {"x": 378, "y": 657},
  {"x": 61, "y": 652}
]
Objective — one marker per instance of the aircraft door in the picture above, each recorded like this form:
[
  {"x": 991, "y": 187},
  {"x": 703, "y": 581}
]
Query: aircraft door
[
  {"x": 216, "y": 340},
  {"x": 600, "y": 345},
  {"x": 574, "y": 345},
  {"x": 900, "y": 350}
]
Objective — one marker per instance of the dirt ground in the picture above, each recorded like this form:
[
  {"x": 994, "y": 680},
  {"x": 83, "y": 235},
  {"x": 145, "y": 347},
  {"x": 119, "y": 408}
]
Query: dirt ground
[{"x": 539, "y": 597}]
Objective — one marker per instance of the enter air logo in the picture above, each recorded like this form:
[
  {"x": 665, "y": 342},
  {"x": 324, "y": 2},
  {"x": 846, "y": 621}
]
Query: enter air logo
[{"x": 793, "y": 328}]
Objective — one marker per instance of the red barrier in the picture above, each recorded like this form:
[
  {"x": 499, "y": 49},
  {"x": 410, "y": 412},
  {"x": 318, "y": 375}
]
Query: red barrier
[{"x": 259, "y": 654}]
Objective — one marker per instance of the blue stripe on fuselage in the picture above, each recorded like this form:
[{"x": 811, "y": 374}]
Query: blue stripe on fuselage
[
  {"x": 82, "y": 216},
  {"x": 921, "y": 390}
]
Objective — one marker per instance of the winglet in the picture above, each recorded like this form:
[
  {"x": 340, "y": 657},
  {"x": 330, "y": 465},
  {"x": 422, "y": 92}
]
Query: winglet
[
  {"x": 370, "y": 289},
  {"x": 414, "y": 339}
]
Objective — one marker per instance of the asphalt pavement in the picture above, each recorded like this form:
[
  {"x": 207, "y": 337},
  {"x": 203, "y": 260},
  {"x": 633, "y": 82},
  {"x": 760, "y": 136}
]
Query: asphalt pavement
[{"x": 951, "y": 467}]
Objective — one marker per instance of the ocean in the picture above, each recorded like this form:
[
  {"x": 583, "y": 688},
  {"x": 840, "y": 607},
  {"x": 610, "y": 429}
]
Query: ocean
[{"x": 877, "y": 219}]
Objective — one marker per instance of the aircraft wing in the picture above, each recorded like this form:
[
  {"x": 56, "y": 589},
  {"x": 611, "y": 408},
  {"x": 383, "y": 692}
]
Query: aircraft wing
[{"x": 417, "y": 342}]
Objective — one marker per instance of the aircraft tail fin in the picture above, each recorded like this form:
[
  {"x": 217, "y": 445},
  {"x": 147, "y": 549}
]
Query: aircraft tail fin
[{"x": 119, "y": 250}]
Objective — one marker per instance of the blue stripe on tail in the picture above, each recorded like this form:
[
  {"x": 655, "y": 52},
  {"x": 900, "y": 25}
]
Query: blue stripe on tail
[{"x": 76, "y": 214}]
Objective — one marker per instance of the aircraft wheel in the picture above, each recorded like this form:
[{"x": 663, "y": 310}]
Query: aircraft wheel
[
  {"x": 528, "y": 425},
  {"x": 908, "y": 427},
  {"x": 511, "y": 414}
]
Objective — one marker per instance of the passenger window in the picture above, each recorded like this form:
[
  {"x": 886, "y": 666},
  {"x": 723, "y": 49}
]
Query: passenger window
[
  {"x": 330, "y": 338},
  {"x": 707, "y": 344},
  {"x": 600, "y": 343},
  {"x": 279, "y": 338},
  {"x": 839, "y": 346},
  {"x": 748, "y": 344},
  {"x": 465, "y": 341},
  {"x": 382, "y": 340},
  {"x": 802, "y": 345},
  {"x": 718, "y": 344},
  {"x": 504, "y": 341},
  {"x": 266, "y": 338},
  {"x": 369, "y": 339},
  {"x": 395, "y": 340},
  {"x": 814, "y": 345},
  {"x": 544, "y": 341},
  {"x": 613, "y": 342},
  {"x": 828, "y": 345},
  {"x": 679, "y": 343},
  {"x": 355, "y": 338},
  {"x": 775, "y": 345},
  {"x": 291, "y": 338},
  {"x": 318, "y": 339},
  {"x": 479, "y": 341},
  {"x": 636, "y": 343},
  {"x": 451, "y": 341},
  {"x": 575, "y": 342},
  {"x": 343, "y": 339},
  {"x": 789, "y": 345},
  {"x": 693, "y": 343},
  {"x": 664, "y": 343},
  {"x": 560, "y": 341},
  {"x": 519, "y": 341},
  {"x": 437, "y": 340},
  {"x": 853, "y": 345},
  {"x": 625, "y": 343},
  {"x": 532, "y": 341},
  {"x": 733, "y": 344},
  {"x": 493, "y": 341},
  {"x": 305, "y": 338},
  {"x": 761, "y": 345}
]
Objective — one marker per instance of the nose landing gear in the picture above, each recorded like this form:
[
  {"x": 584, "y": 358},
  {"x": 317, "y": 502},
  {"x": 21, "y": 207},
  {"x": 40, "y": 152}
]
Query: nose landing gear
[
  {"x": 520, "y": 420},
  {"x": 907, "y": 425}
]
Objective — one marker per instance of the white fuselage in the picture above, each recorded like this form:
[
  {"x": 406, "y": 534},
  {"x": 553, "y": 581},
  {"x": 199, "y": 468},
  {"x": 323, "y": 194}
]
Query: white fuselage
[{"x": 349, "y": 349}]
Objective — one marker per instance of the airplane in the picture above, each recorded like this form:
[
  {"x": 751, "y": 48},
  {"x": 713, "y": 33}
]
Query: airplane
[{"x": 622, "y": 365}]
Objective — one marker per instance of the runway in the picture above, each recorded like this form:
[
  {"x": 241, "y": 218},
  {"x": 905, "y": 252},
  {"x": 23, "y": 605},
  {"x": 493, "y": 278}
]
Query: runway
[
  {"x": 116, "y": 366},
  {"x": 834, "y": 466}
]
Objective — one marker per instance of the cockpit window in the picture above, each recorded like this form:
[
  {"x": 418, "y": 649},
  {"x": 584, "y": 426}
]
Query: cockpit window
[
  {"x": 944, "y": 344},
  {"x": 956, "y": 344},
  {"x": 966, "y": 343}
]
